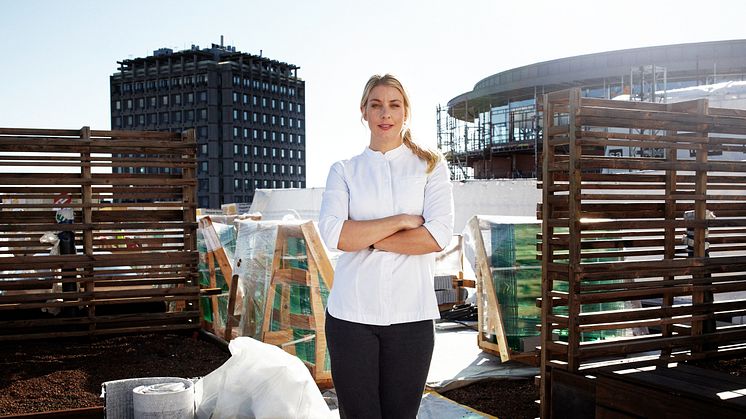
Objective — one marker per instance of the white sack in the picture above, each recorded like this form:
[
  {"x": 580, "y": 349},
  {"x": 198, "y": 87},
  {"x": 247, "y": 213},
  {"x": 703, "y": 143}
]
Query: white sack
[{"x": 259, "y": 381}]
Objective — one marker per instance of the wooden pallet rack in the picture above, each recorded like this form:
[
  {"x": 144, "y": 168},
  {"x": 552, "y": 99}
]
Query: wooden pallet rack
[
  {"x": 614, "y": 228},
  {"x": 134, "y": 268}
]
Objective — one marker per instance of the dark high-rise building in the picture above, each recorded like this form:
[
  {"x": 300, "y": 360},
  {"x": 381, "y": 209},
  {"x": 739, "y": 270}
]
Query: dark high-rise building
[{"x": 247, "y": 112}]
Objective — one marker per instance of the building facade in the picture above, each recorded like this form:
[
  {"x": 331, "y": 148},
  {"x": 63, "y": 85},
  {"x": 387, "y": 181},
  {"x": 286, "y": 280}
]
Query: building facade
[
  {"x": 248, "y": 113},
  {"x": 494, "y": 131}
]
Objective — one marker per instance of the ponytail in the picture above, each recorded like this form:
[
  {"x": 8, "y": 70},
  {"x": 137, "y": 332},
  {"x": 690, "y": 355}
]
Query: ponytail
[{"x": 432, "y": 158}]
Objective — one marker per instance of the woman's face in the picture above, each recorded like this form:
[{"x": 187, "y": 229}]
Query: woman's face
[{"x": 385, "y": 113}]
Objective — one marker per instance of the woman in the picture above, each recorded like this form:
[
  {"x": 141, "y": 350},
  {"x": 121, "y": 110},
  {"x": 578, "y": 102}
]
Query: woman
[{"x": 388, "y": 209}]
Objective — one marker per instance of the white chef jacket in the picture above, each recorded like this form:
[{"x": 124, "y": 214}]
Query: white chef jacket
[{"x": 374, "y": 286}]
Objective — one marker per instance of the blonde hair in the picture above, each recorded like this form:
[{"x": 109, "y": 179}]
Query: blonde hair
[{"x": 431, "y": 157}]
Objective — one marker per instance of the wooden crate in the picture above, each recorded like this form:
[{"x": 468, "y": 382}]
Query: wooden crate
[
  {"x": 135, "y": 232},
  {"x": 613, "y": 229},
  {"x": 280, "y": 278},
  {"x": 498, "y": 320}
]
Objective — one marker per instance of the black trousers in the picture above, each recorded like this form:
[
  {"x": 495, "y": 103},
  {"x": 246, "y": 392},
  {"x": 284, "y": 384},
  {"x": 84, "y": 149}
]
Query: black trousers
[{"x": 379, "y": 371}]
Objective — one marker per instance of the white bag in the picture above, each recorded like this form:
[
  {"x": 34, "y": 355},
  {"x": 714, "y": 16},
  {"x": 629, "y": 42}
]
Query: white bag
[{"x": 259, "y": 381}]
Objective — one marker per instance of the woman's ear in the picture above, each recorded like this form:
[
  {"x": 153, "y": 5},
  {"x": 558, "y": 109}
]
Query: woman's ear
[{"x": 364, "y": 114}]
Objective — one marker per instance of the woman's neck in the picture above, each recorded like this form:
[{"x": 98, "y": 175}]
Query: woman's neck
[{"x": 385, "y": 145}]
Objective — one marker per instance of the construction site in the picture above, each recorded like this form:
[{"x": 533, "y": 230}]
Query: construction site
[{"x": 597, "y": 267}]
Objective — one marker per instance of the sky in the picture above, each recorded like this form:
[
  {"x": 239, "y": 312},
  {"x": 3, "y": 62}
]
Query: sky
[{"x": 56, "y": 56}]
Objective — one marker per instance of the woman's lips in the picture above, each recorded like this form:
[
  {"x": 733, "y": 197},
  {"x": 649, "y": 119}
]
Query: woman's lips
[{"x": 385, "y": 126}]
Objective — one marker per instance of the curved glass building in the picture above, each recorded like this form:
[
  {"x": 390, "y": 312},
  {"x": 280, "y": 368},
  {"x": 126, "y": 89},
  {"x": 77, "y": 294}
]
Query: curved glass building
[{"x": 493, "y": 131}]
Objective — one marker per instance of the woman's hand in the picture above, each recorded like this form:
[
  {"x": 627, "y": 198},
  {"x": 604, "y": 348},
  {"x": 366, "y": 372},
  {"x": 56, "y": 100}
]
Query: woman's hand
[{"x": 409, "y": 221}]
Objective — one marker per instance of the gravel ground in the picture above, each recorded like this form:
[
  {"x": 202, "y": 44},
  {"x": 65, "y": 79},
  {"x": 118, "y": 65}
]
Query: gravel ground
[{"x": 39, "y": 376}]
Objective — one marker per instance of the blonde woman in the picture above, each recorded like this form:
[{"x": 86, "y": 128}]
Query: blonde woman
[{"x": 389, "y": 209}]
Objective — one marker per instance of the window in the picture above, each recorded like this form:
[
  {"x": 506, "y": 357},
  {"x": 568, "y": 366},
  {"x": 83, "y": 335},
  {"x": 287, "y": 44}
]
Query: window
[
  {"x": 189, "y": 117},
  {"x": 152, "y": 118},
  {"x": 141, "y": 119},
  {"x": 264, "y": 118},
  {"x": 274, "y": 120},
  {"x": 164, "y": 118},
  {"x": 176, "y": 116},
  {"x": 256, "y": 168},
  {"x": 299, "y": 108},
  {"x": 274, "y": 136},
  {"x": 300, "y": 139},
  {"x": 282, "y": 105},
  {"x": 236, "y": 184},
  {"x": 255, "y": 117},
  {"x": 256, "y": 134},
  {"x": 152, "y": 102},
  {"x": 274, "y": 152},
  {"x": 291, "y": 167},
  {"x": 176, "y": 99},
  {"x": 246, "y": 167},
  {"x": 163, "y": 84},
  {"x": 256, "y": 151},
  {"x": 254, "y": 100},
  {"x": 265, "y": 168},
  {"x": 203, "y": 167},
  {"x": 264, "y": 102},
  {"x": 202, "y": 96},
  {"x": 274, "y": 168},
  {"x": 129, "y": 104},
  {"x": 264, "y": 151},
  {"x": 203, "y": 149},
  {"x": 291, "y": 153},
  {"x": 164, "y": 100},
  {"x": 235, "y": 97},
  {"x": 245, "y": 150},
  {"x": 236, "y": 167},
  {"x": 203, "y": 115},
  {"x": 300, "y": 154},
  {"x": 190, "y": 98},
  {"x": 245, "y": 115},
  {"x": 282, "y": 121},
  {"x": 264, "y": 135},
  {"x": 235, "y": 114},
  {"x": 236, "y": 149},
  {"x": 290, "y": 122},
  {"x": 282, "y": 169},
  {"x": 246, "y": 133},
  {"x": 290, "y": 106},
  {"x": 118, "y": 122},
  {"x": 236, "y": 80},
  {"x": 245, "y": 99},
  {"x": 290, "y": 138},
  {"x": 118, "y": 105},
  {"x": 282, "y": 153},
  {"x": 141, "y": 103},
  {"x": 300, "y": 123},
  {"x": 274, "y": 104},
  {"x": 202, "y": 132},
  {"x": 247, "y": 184},
  {"x": 300, "y": 171}
]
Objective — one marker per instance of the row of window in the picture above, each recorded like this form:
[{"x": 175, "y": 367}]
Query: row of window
[
  {"x": 274, "y": 120},
  {"x": 175, "y": 117},
  {"x": 273, "y": 152},
  {"x": 154, "y": 102},
  {"x": 264, "y": 168},
  {"x": 161, "y": 84},
  {"x": 266, "y": 183},
  {"x": 263, "y": 85},
  {"x": 266, "y": 102},
  {"x": 255, "y": 134},
  {"x": 258, "y": 168}
]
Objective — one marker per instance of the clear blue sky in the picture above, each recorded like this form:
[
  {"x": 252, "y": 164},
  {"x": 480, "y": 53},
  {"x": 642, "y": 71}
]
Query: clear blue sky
[{"x": 57, "y": 56}]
